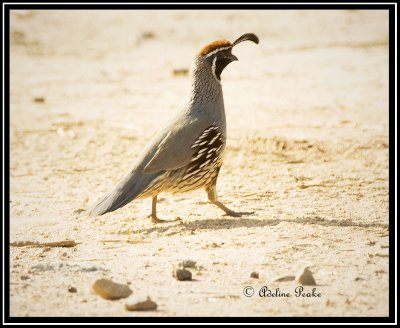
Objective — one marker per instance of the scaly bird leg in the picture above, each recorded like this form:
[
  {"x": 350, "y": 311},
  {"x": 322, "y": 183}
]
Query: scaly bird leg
[
  {"x": 213, "y": 198},
  {"x": 154, "y": 217}
]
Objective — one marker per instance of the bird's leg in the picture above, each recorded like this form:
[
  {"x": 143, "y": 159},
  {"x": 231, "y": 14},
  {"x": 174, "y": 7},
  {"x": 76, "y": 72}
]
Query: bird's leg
[
  {"x": 213, "y": 198},
  {"x": 154, "y": 217}
]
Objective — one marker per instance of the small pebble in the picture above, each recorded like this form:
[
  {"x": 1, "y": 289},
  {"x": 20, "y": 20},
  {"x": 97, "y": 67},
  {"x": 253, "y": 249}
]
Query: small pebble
[
  {"x": 40, "y": 100},
  {"x": 180, "y": 72},
  {"x": 305, "y": 278},
  {"x": 182, "y": 274},
  {"x": 110, "y": 290},
  {"x": 148, "y": 35},
  {"x": 254, "y": 275},
  {"x": 72, "y": 289},
  {"x": 147, "y": 305}
]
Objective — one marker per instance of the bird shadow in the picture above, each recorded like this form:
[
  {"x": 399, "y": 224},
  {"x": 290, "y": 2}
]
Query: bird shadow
[
  {"x": 173, "y": 227},
  {"x": 176, "y": 227}
]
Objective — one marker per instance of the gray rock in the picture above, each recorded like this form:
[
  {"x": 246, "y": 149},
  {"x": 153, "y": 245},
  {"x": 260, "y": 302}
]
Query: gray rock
[
  {"x": 305, "y": 277},
  {"x": 254, "y": 275},
  {"x": 72, "y": 289},
  {"x": 181, "y": 274},
  {"x": 110, "y": 290},
  {"x": 147, "y": 305}
]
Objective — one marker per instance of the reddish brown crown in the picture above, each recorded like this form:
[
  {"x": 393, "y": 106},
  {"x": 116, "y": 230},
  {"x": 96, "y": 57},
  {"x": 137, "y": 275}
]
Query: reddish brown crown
[{"x": 213, "y": 46}]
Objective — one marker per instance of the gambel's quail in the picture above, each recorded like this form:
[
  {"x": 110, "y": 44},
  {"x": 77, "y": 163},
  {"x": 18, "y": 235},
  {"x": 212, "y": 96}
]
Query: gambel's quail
[{"x": 188, "y": 153}]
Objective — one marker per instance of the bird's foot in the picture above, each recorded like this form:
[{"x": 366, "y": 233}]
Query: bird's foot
[
  {"x": 237, "y": 214},
  {"x": 232, "y": 213},
  {"x": 228, "y": 211},
  {"x": 155, "y": 219}
]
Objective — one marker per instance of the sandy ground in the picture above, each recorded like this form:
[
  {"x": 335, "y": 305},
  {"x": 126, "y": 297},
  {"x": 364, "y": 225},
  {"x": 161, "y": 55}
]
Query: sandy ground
[{"x": 307, "y": 151}]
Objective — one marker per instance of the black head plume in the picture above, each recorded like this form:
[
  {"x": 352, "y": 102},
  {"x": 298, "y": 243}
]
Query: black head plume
[{"x": 245, "y": 37}]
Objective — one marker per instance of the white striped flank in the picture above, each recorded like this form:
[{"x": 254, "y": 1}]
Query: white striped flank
[
  {"x": 215, "y": 138},
  {"x": 200, "y": 140},
  {"x": 203, "y": 168},
  {"x": 216, "y": 159},
  {"x": 191, "y": 174},
  {"x": 197, "y": 157},
  {"x": 205, "y": 163}
]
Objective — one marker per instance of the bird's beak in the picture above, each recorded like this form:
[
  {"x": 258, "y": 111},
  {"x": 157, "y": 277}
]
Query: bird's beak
[{"x": 231, "y": 57}]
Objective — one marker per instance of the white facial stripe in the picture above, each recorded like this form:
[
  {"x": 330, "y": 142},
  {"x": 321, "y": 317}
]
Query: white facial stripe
[
  {"x": 213, "y": 68},
  {"x": 215, "y": 51}
]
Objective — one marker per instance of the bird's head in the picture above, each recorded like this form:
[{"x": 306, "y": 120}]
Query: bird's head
[{"x": 218, "y": 54}]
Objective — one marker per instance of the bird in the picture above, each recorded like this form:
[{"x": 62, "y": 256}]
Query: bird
[{"x": 188, "y": 153}]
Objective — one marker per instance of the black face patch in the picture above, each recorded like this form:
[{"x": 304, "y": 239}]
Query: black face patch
[{"x": 221, "y": 63}]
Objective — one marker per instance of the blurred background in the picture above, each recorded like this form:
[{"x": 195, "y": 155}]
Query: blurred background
[{"x": 112, "y": 63}]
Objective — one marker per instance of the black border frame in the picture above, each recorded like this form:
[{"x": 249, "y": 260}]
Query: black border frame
[{"x": 391, "y": 7}]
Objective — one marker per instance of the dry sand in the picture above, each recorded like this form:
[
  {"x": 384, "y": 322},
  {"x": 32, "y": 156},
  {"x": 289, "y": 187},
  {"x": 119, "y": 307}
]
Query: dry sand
[{"x": 307, "y": 113}]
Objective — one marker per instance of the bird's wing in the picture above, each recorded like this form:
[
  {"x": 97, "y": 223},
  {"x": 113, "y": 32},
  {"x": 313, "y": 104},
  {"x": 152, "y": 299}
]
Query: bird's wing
[{"x": 174, "y": 151}]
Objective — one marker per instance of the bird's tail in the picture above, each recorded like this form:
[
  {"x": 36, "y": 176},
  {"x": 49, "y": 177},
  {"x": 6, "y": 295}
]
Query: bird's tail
[{"x": 125, "y": 191}]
